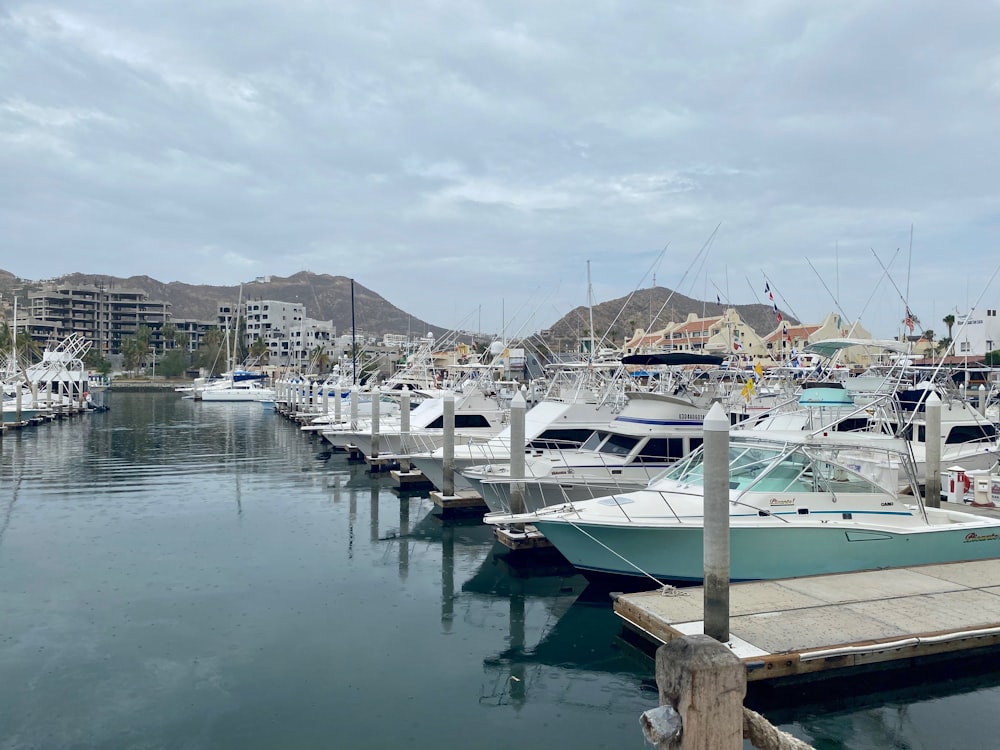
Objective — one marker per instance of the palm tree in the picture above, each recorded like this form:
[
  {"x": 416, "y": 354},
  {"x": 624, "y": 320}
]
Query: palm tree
[
  {"x": 948, "y": 320},
  {"x": 259, "y": 351},
  {"x": 320, "y": 358},
  {"x": 929, "y": 336}
]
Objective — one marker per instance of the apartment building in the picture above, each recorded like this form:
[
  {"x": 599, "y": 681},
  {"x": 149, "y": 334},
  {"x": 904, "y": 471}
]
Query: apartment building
[{"x": 106, "y": 316}]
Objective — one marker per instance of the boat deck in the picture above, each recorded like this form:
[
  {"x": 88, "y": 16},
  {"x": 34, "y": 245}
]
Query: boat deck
[{"x": 805, "y": 626}]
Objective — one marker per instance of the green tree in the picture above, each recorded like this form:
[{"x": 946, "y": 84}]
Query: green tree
[
  {"x": 96, "y": 361},
  {"x": 172, "y": 364},
  {"x": 320, "y": 359},
  {"x": 929, "y": 336},
  {"x": 259, "y": 351},
  {"x": 28, "y": 350},
  {"x": 211, "y": 356},
  {"x": 169, "y": 335},
  {"x": 948, "y": 320}
]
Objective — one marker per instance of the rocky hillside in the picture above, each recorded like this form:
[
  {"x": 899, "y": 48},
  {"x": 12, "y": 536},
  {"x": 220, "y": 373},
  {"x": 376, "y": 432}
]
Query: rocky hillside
[
  {"x": 329, "y": 298},
  {"x": 325, "y": 298},
  {"x": 648, "y": 309}
]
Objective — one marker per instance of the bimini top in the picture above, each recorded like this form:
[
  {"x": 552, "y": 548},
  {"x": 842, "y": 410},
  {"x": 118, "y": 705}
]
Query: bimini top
[
  {"x": 673, "y": 358},
  {"x": 829, "y": 347}
]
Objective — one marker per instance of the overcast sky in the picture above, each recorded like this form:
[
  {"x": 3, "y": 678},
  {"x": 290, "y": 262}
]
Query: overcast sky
[{"x": 466, "y": 159}]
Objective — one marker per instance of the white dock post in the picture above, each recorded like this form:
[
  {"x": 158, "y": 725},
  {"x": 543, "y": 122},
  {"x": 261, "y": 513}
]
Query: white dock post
[
  {"x": 932, "y": 452},
  {"x": 518, "y": 407},
  {"x": 354, "y": 407},
  {"x": 716, "y": 535},
  {"x": 375, "y": 409},
  {"x": 337, "y": 396},
  {"x": 17, "y": 406},
  {"x": 326, "y": 400},
  {"x": 404, "y": 429},
  {"x": 448, "y": 449},
  {"x": 982, "y": 399}
]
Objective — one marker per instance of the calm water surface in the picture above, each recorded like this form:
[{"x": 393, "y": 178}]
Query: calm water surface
[{"x": 176, "y": 574}]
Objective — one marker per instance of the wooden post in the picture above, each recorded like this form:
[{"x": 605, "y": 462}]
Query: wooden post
[
  {"x": 716, "y": 535},
  {"x": 448, "y": 448},
  {"x": 518, "y": 407},
  {"x": 932, "y": 452},
  {"x": 705, "y": 682}
]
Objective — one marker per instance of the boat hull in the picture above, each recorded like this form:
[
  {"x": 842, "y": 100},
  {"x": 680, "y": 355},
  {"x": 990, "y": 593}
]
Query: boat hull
[{"x": 763, "y": 553}]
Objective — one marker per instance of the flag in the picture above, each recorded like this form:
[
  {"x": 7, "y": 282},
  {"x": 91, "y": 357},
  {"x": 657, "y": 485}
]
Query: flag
[
  {"x": 748, "y": 389},
  {"x": 767, "y": 291},
  {"x": 909, "y": 319},
  {"x": 757, "y": 368},
  {"x": 717, "y": 300}
]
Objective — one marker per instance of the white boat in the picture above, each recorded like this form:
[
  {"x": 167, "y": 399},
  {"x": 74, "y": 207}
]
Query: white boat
[
  {"x": 652, "y": 432},
  {"x": 477, "y": 414},
  {"x": 249, "y": 391},
  {"x": 799, "y": 504}
]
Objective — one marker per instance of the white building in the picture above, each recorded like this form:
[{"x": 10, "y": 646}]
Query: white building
[
  {"x": 976, "y": 333},
  {"x": 290, "y": 336}
]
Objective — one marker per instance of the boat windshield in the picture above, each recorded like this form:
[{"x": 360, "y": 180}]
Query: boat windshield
[
  {"x": 746, "y": 461},
  {"x": 776, "y": 468}
]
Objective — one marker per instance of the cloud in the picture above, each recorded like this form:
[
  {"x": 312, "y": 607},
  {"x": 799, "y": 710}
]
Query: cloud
[{"x": 518, "y": 138}]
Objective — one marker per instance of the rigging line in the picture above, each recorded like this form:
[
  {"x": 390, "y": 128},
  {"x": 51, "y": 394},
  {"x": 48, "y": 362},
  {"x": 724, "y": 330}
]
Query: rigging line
[
  {"x": 624, "y": 559},
  {"x": 895, "y": 286},
  {"x": 632, "y": 294},
  {"x": 703, "y": 251},
  {"x": 784, "y": 301},
  {"x": 836, "y": 302}
]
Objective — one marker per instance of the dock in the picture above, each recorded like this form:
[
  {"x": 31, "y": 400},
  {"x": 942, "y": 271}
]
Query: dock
[
  {"x": 527, "y": 537},
  {"x": 462, "y": 502},
  {"x": 818, "y": 625}
]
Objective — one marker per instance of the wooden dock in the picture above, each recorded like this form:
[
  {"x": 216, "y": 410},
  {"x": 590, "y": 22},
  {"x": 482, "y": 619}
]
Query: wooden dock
[{"x": 820, "y": 624}]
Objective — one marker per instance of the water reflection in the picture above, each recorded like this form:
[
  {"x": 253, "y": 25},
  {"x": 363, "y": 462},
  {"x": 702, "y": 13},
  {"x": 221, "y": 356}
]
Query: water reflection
[{"x": 177, "y": 574}]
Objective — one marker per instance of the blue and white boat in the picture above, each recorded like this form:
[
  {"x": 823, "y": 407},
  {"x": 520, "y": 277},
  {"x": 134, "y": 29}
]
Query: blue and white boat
[{"x": 800, "y": 504}]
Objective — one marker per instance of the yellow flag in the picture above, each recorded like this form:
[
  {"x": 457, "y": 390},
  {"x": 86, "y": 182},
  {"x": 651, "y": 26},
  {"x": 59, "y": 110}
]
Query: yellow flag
[{"x": 758, "y": 369}]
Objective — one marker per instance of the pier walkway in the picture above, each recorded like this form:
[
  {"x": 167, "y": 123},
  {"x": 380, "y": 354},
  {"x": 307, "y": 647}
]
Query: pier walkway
[{"x": 805, "y": 626}]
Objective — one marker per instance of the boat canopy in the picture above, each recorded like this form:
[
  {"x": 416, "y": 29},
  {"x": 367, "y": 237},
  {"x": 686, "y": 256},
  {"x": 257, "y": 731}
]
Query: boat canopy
[
  {"x": 673, "y": 358},
  {"x": 829, "y": 347}
]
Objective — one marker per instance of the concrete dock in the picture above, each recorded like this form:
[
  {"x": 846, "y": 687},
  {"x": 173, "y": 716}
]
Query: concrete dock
[{"x": 810, "y": 625}]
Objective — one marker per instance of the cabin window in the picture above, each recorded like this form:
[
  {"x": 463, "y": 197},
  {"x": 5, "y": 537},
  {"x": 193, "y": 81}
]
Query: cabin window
[
  {"x": 971, "y": 433},
  {"x": 561, "y": 438},
  {"x": 618, "y": 445}
]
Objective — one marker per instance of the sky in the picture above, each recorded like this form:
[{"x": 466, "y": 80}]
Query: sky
[{"x": 488, "y": 165}]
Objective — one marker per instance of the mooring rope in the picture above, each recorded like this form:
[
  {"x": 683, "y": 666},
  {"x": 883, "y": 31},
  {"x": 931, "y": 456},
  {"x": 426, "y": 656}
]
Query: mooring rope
[
  {"x": 763, "y": 735},
  {"x": 665, "y": 588}
]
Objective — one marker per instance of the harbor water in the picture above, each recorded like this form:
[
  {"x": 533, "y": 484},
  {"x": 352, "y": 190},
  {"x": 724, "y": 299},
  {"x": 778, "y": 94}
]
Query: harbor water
[{"x": 179, "y": 574}]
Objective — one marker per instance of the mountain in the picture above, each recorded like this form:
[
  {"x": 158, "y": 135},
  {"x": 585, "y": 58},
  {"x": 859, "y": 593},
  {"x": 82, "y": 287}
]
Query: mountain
[
  {"x": 650, "y": 309},
  {"x": 325, "y": 298},
  {"x": 329, "y": 298}
]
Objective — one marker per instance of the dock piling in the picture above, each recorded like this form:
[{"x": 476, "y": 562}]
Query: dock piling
[
  {"x": 932, "y": 456},
  {"x": 716, "y": 534}
]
